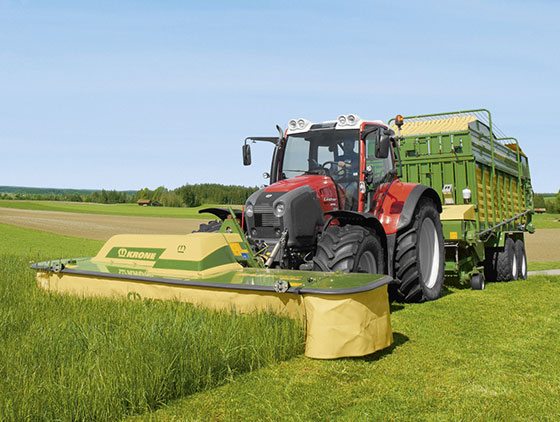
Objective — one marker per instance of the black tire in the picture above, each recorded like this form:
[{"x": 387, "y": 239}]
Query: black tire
[
  {"x": 506, "y": 263},
  {"x": 420, "y": 257},
  {"x": 521, "y": 256},
  {"x": 212, "y": 227},
  {"x": 477, "y": 281},
  {"x": 490, "y": 264},
  {"x": 350, "y": 249}
]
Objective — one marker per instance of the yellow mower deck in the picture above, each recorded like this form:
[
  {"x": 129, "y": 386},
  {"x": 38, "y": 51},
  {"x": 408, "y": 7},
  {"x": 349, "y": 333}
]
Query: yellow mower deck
[{"x": 344, "y": 314}]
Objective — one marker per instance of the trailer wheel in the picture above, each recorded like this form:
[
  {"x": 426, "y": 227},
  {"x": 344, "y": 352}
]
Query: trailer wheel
[
  {"x": 212, "y": 227},
  {"x": 521, "y": 256},
  {"x": 350, "y": 249},
  {"x": 477, "y": 281},
  {"x": 420, "y": 257},
  {"x": 506, "y": 263},
  {"x": 491, "y": 264}
]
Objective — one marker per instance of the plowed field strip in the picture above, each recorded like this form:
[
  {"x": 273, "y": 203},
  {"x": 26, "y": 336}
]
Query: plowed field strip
[
  {"x": 94, "y": 226},
  {"x": 543, "y": 245}
]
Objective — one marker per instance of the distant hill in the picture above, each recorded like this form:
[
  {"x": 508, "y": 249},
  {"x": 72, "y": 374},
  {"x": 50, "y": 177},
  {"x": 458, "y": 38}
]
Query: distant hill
[{"x": 52, "y": 191}]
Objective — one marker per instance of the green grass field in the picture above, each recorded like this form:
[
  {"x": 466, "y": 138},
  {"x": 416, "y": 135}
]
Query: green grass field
[
  {"x": 113, "y": 209},
  {"x": 547, "y": 221},
  {"x": 470, "y": 356},
  {"x": 490, "y": 355},
  {"x": 39, "y": 245},
  {"x": 541, "y": 266},
  {"x": 68, "y": 359}
]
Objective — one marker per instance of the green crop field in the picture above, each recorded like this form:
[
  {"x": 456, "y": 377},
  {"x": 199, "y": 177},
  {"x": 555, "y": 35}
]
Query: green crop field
[
  {"x": 490, "y": 355},
  {"x": 113, "y": 209}
]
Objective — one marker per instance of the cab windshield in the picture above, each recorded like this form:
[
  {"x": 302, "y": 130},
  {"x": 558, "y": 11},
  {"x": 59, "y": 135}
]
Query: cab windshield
[{"x": 332, "y": 153}]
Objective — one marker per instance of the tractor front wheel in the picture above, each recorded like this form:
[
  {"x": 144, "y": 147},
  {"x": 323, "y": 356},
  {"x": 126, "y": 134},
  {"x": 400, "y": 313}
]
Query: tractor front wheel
[
  {"x": 350, "y": 249},
  {"x": 420, "y": 257}
]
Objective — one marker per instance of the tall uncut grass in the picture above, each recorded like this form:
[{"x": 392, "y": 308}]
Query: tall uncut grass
[{"x": 66, "y": 358}]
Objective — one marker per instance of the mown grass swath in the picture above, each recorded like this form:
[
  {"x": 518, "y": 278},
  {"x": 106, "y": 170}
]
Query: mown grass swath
[{"x": 66, "y": 358}]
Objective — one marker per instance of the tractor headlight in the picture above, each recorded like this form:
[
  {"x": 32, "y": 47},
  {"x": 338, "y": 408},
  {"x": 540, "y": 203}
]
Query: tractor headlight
[
  {"x": 298, "y": 124},
  {"x": 279, "y": 209},
  {"x": 348, "y": 120},
  {"x": 341, "y": 120},
  {"x": 249, "y": 210}
]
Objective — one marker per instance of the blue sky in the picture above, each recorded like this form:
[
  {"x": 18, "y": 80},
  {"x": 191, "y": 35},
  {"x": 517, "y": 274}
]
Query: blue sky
[{"x": 126, "y": 95}]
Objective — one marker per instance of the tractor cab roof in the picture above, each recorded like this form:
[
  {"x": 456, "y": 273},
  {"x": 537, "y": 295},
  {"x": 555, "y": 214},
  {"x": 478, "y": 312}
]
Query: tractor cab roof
[{"x": 344, "y": 122}]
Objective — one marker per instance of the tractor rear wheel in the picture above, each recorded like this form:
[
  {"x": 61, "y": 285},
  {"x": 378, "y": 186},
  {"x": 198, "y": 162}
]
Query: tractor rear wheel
[
  {"x": 212, "y": 227},
  {"x": 420, "y": 257},
  {"x": 350, "y": 249},
  {"x": 521, "y": 256},
  {"x": 506, "y": 262}
]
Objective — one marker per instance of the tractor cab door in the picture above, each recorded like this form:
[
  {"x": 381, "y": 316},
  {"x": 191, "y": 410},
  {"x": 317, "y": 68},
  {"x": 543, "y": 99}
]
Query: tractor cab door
[
  {"x": 347, "y": 172},
  {"x": 382, "y": 168}
]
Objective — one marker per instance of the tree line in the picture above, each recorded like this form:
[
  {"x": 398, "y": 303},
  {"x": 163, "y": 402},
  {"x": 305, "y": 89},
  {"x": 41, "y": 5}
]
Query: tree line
[
  {"x": 549, "y": 201},
  {"x": 184, "y": 196},
  {"x": 196, "y": 195}
]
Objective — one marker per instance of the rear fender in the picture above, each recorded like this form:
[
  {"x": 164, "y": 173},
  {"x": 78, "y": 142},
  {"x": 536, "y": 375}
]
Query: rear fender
[
  {"x": 395, "y": 204},
  {"x": 418, "y": 192}
]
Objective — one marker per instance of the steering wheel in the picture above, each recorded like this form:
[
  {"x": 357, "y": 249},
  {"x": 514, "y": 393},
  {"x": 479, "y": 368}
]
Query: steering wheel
[{"x": 340, "y": 169}]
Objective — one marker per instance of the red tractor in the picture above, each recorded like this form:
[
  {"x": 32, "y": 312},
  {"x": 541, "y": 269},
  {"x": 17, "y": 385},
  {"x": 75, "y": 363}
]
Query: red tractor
[{"x": 335, "y": 203}]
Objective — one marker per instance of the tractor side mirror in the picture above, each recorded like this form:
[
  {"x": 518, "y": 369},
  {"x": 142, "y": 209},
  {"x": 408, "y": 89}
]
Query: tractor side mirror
[
  {"x": 382, "y": 146},
  {"x": 246, "y": 155}
]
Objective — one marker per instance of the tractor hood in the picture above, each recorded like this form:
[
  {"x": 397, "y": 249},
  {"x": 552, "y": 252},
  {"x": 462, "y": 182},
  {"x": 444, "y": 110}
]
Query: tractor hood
[
  {"x": 323, "y": 186},
  {"x": 314, "y": 181}
]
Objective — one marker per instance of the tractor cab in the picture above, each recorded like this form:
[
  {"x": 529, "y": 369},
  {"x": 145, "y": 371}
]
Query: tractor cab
[{"x": 318, "y": 168}]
